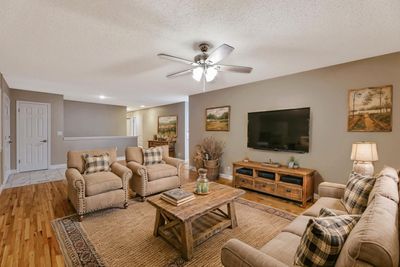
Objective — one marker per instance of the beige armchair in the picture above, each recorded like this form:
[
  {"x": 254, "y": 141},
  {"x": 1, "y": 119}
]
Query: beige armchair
[
  {"x": 152, "y": 179},
  {"x": 100, "y": 190}
]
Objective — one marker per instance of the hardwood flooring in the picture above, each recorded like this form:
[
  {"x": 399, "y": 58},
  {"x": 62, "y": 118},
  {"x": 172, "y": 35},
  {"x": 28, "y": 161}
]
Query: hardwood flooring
[{"x": 26, "y": 235}]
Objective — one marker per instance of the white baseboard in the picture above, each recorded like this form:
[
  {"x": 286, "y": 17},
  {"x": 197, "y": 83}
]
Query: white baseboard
[
  {"x": 226, "y": 176},
  {"x": 121, "y": 158},
  {"x": 58, "y": 166},
  {"x": 316, "y": 196}
]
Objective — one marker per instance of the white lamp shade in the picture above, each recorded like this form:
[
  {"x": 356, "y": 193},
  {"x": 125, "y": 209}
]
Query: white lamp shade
[{"x": 364, "y": 151}]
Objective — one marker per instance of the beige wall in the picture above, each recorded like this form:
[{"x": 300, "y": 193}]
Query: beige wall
[
  {"x": 57, "y": 124},
  {"x": 147, "y": 122},
  {"x": 325, "y": 91},
  {"x": 90, "y": 119}
]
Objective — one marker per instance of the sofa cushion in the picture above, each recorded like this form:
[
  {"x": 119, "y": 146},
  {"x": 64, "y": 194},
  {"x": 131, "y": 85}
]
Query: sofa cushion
[
  {"x": 96, "y": 163},
  {"x": 283, "y": 247},
  {"x": 323, "y": 239},
  {"x": 298, "y": 225},
  {"x": 390, "y": 172},
  {"x": 152, "y": 156},
  {"x": 385, "y": 186},
  {"x": 157, "y": 171},
  {"x": 101, "y": 182},
  {"x": 75, "y": 159},
  {"x": 134, "y": 154},
  {"x": 357, "y": 191},
  {"x": 331, "y": 203},
  {"x": 374, "y": 239}
]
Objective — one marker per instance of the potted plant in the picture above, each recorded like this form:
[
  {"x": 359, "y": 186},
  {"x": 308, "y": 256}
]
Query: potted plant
[{"x": 213, "y": 150}]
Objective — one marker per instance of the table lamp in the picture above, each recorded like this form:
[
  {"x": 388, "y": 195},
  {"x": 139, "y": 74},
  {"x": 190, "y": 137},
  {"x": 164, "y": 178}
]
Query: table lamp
[{"x": 363, "y": 154}]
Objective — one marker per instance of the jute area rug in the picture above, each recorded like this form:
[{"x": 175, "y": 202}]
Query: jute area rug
[{"x": 118, "y": 237}]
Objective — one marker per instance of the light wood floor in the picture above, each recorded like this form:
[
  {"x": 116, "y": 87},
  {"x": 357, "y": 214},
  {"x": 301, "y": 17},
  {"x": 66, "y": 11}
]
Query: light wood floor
[{"x": 26, "y": 235}]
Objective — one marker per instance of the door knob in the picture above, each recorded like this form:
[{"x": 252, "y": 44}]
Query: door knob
[{"x": 43, "y": 141}]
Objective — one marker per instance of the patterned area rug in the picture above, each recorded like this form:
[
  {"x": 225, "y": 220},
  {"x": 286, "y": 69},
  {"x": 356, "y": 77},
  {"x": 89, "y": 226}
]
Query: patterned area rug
[{"x": 118, "y": 237}]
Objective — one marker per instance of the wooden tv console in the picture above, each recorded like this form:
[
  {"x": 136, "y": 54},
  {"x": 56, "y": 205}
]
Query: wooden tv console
[{"x": 274, "y": 185}]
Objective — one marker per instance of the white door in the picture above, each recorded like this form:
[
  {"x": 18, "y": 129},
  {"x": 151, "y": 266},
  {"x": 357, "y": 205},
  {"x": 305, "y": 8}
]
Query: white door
[
  {"x": 32, "y": 132},
  {"x": 6, "y": 137}
]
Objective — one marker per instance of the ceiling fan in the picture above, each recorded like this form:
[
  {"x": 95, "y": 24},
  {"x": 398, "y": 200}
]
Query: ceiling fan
[{"x": 206, "y": 65}]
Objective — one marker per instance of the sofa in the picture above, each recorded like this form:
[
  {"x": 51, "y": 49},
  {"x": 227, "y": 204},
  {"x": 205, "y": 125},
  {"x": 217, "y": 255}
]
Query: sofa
[
  {"x": 156, "y": 178},
  {"x": 374, "y": 241},
  {"x": 99, "y": 190}
]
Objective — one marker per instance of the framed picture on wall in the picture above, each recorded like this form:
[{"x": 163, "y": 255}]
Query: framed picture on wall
[
  {"x": 167, "y": 127},
  {"x": 218, "y": 118},
  {"x": 370, "y": 109}
]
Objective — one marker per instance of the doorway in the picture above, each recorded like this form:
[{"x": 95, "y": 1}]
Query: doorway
[{"x": 33, "y": 133}]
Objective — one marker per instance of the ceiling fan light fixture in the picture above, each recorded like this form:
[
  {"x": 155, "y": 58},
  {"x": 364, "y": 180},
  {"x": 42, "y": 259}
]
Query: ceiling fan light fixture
[
  {"x": 197, "y": 73},
  {"x": 211, "y": 73}
]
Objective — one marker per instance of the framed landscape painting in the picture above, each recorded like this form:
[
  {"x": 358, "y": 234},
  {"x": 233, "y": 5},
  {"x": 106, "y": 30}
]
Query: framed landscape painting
[
  {"x": 370, "y": 109},
  {"x": 167, "y": 126},
  {"x": 217, "y": 119}
]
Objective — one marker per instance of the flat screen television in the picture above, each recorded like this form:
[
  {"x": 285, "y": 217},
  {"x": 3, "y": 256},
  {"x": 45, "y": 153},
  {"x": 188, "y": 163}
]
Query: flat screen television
[{"x": 279, "y": 130}]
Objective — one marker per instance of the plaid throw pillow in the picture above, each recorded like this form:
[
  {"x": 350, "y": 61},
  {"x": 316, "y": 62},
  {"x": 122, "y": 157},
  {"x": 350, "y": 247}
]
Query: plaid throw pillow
[
  {"x": 152, "y": 156},
  {"x": 323, "y": 239},
  {"x": 356, "y": 193},
  {"x": 98, "y": 163},
  {"x": 325, "y": 212}
]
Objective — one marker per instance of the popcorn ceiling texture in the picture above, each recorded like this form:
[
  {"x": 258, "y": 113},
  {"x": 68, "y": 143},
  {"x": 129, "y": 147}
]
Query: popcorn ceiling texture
[{"x": 82, "y": 49}]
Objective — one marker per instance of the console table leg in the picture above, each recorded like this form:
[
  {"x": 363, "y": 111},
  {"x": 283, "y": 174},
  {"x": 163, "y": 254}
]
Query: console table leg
[
  {"x": 232, "y": 214},
  {"x": 187, "y": 240}
]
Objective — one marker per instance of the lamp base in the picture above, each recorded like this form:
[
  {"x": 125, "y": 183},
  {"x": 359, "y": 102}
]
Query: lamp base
[{"x": 363, "y": 167}]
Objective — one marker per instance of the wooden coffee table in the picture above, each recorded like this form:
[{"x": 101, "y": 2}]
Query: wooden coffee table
[{"x": 192, "y": 223}]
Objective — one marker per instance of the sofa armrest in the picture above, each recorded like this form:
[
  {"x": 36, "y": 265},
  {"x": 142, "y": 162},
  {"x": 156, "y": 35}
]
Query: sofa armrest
[
  {"x": 75, "y": 179},
  {"x": 178, "y": 163},
  {"x": 327, "y": 189},
  {"x": 235, "y": 253},
  {"x": 123, "y": 172},
  {"x": 136, "y": 168}
]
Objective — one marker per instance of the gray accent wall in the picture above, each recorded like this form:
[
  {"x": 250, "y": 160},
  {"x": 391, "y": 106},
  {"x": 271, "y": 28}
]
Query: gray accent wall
[
  {"x": 91, "y": 119},
  {"x": 326, "y": 92},
  {"x": 147, "y": 123}
]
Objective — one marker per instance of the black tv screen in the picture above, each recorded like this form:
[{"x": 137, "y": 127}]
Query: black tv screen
[{"x": 279, "y": 130}]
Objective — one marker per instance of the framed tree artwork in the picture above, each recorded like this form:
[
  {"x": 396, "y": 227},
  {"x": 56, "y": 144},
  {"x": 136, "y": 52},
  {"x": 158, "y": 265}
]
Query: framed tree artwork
[
  {"x": 217, "y": 118},
  {"x": 370, "y": 109},
  {"x": 167, "y": 127}
]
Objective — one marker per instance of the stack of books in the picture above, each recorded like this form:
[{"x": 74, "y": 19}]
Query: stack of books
[{"x": 177, "y": 196}]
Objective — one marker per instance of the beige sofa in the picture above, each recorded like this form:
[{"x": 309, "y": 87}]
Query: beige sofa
[
  {"x": 374, "y": 241},
  {"x": 100, "y": 190},
  {"x": 152, "y": 179}
]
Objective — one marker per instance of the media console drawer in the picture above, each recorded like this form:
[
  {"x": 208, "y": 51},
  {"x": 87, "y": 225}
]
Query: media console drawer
[
  {"x": 244, "y": 181},
  {"x": 288, "y": 191},
  {"x": 268, "y": 187}
]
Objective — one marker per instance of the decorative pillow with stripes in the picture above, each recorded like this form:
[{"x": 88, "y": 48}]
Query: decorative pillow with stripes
[
  {"x": 152, "y": 156},
  {"x": 96, "y": 163},
  {"x": 356, "y": 193},
  {"x": 323, "y": 240},
  {"x": 325, "y": 212}
]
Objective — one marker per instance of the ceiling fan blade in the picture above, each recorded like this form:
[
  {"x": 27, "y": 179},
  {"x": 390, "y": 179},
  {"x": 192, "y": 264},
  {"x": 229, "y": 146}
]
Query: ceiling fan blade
[
  {"x": 179, "y": 73},
  {"x": 177, "y": 59},
  {"x": 219, "y": 54},
  {"x": 232, "y": 68}
]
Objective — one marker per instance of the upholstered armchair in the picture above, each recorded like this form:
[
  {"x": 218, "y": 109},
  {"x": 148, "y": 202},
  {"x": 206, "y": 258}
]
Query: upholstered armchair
[
  {"x": 152, "y": 179},
  {"x": 99, "y": 190}
]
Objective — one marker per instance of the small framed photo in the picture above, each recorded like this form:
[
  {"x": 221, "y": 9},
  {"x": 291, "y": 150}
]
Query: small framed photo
[{"x": 218, "y": 118}]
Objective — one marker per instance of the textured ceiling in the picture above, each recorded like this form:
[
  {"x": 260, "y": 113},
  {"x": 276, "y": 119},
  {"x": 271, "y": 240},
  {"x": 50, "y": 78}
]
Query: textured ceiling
[{"x": 84, "y": 49}]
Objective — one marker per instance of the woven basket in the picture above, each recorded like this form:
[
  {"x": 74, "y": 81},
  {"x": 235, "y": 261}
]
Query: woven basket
[{"x": 212, "y": 172}]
